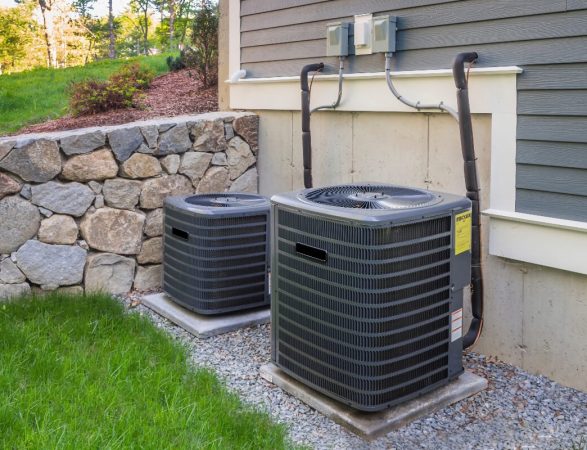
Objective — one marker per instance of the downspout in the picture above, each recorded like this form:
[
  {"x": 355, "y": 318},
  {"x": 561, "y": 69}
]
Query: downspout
[
  {"x": 472, "y": 184},
  {"x": 306, "y": 133}
]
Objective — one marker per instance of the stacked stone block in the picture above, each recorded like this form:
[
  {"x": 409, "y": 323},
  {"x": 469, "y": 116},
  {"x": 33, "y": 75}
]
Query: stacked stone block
[{"x": 82, "y": 210}]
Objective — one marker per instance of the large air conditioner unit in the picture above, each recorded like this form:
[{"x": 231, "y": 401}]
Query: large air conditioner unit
[
  {"x": 216, "y": 252},
  {"x": 367, "y": 290}
]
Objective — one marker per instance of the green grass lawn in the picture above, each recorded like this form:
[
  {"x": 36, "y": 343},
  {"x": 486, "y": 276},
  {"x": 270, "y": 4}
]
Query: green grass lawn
[
  {"x": 78, "y": 373},
  {"x": 40, "y": 94}
]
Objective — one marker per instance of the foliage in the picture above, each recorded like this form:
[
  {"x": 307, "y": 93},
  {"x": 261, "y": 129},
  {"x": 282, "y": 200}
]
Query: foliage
[
  {"x": 58, "y": 33},
  {"x": 175, "y": 63},
  {"x": 80, "y": 372},
  {"x": 16, "y": 33},
  {"x": 118, "y": 92},
  {"x": 188, "y": 58},
  {"x": 83, "y": 7},
  {"x": 205, "y": 41},
  {"x": 41, "y": 94},
  {"x": 175, "y": 24},
  {"x": 143, "y": 20},
  {"x": 65, "y": 33}
]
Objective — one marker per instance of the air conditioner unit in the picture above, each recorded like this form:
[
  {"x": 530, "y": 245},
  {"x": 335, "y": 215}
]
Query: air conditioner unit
[
  {"x": 216, "y": 252},
  {"x": 367, "y": 290}
]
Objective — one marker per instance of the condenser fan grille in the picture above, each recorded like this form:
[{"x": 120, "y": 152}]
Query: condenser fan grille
[
  {"x": 372, "y": 197},
  {"x": 226, "y": 200}
]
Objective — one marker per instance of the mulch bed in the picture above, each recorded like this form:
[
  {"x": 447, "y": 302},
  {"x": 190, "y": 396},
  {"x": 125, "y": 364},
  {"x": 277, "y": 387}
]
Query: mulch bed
[{"x": 172, "y": 94}]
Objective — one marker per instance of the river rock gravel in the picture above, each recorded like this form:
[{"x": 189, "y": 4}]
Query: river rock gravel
[{"x": 518, "y": 410}]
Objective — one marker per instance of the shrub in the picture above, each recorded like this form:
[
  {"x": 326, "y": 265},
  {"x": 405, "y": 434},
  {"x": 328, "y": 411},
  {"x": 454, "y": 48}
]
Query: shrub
[
  {"x": 175, "y": 63},
  {"x": 120, "y": 91},
  {"x": 87, "y": 97},
  {"x": 205, "y": 42},
  {"x": 188, "y": 58},
  {"x": 132, "y": 76}
]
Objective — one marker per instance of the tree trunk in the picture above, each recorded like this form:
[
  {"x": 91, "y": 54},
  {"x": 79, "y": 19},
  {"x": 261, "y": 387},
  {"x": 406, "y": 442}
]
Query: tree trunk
[
  {"x": 90, "y": 47},
  {"x": 49, "y": 34},
  {"x": 146, "y": 29},
  {"x": 171, "y": 24},
  {"x": 111, "y": 47}
]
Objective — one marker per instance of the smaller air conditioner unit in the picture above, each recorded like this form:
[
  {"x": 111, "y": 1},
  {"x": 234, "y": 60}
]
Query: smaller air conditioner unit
[
  {"x": 367, "y": 290},
  {"x": 216, "y": 252}
]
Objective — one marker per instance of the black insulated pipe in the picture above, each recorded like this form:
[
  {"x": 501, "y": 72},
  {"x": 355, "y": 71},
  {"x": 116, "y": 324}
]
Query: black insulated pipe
[
  {"x": 306, "y": 133},
  {"x": 472, "y": 184}
]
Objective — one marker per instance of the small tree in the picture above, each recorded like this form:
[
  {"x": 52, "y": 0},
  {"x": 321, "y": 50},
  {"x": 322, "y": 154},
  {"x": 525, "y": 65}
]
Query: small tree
[
  {"x": 205, "y": 41},
  {"x": 141, "y": 8},
  {"x": 111, "y": 36},
  {"x": 15, "y": 36}
]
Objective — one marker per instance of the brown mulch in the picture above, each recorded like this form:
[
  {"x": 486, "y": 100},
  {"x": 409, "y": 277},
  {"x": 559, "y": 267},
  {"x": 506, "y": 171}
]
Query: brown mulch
[{"x": 172, "y": 94}]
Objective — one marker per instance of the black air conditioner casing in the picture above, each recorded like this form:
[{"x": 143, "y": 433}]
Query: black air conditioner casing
[
  {"x": 216, "y": 252},
  {"x": 367, "y": 296}
]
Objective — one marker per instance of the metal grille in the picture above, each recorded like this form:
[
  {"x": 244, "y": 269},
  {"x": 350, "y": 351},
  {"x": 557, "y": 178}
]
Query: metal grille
[
  {"x": 369, "y": 325},
  {"x": 216, "y": 264}
]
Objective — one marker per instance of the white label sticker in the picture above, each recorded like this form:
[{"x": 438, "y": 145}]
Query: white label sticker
[{"x": 456, "y": 325}]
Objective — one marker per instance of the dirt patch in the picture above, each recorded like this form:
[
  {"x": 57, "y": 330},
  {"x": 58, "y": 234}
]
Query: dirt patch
[{"x": 172, "y": 94}]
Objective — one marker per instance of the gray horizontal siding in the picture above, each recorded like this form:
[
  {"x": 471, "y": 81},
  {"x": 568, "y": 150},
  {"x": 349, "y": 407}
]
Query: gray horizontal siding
[
  {"x": 412, "y": 13},
  {"x": 553, "y": 102},
  {"x": 548, "y": 38},
  {"x": 576, "y": 4},
  {"x": 547, "y": 51},
  {"x": 249, "y": 7},
  {"x": 563, "y": 206},
  {"x": 552, "y": 179},
  {"x": 553, "y": 129},
  {"x": 555, "y": 154},
  {"x": 559, "y": 76},
  {"x": 492, "y": 31}
]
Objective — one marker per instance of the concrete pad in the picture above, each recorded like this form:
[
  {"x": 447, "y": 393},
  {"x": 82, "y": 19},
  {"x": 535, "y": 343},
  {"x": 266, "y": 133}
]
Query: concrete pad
[
  {"x": 372, "y": 425},
  {"x": 204, "y": 326}
]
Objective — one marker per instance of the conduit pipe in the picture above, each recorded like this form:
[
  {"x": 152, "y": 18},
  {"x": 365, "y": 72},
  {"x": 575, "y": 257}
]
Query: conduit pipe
[
  {"x": 417, "y": 105},
  {"x": 334, "y": 104},
  {"x": 306, "y": 133}
]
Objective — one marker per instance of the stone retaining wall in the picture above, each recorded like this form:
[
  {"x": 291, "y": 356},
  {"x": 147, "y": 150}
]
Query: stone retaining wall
[{"x": 82, "y": 209}]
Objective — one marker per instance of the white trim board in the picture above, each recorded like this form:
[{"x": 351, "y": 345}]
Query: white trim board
[
  {"x": 369, "y": 92},
  {"x": 234, "y": 36},
  {"x": 381, "y": 75}
]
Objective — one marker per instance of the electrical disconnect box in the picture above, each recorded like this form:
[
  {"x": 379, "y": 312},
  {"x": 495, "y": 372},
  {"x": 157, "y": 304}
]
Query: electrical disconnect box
[
  {"x": 384, "y": 28},
  {"x": 337, "y": 39},
  {"x": 363, "y": 31}
]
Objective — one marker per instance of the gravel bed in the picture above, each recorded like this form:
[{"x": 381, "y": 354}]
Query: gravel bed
[{"x": 517, "y": 410}]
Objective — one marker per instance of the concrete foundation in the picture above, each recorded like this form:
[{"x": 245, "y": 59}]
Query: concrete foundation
[
  {"x": 373, "y": 425},
  {"x": 204, "y": 326}
]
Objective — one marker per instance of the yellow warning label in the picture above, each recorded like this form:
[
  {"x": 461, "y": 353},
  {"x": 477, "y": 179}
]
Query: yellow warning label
[{"x": 462, "y": 232}]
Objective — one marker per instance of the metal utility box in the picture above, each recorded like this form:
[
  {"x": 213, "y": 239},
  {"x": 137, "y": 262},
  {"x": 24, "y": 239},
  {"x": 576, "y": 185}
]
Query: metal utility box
[
  {"x": 337, "y": 39},
  {"x": 384, "y": 31}
]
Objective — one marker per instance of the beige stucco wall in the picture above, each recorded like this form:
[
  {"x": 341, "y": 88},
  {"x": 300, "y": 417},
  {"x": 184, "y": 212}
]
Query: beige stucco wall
[{"x": 535, "y": 316}]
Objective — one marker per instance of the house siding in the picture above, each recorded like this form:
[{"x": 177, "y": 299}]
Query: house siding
[{"x": 547, "y": 38}]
